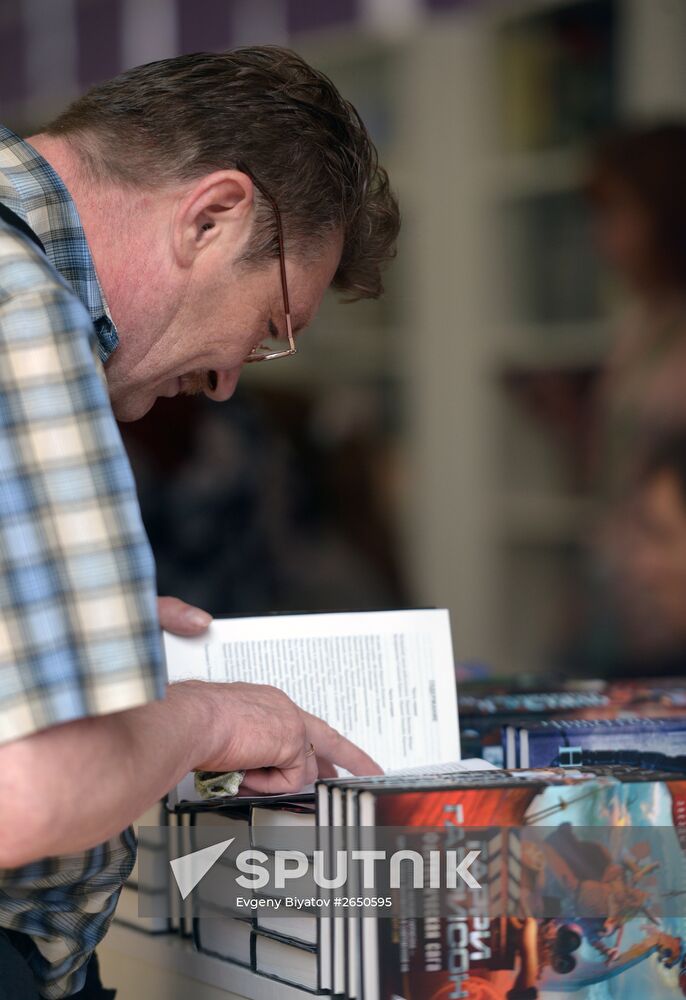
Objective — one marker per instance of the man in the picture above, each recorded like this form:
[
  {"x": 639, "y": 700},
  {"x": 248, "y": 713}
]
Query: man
[{"x": 151, "y": 238}]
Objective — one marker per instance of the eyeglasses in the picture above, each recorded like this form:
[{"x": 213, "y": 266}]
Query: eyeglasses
[{"x": 266, "y": 351}]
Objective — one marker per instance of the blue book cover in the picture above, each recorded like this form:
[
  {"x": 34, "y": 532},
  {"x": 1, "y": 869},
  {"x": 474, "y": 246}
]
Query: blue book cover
[{"x": 652, "y": 744}]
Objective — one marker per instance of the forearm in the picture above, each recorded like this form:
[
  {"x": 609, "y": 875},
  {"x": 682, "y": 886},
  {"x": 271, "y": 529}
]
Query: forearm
[
  {"x": 72, "y": 786},
  {"x": 75, "y": 785}
]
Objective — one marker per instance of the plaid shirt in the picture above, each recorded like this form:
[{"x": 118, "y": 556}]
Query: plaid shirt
[{"x": 79, "y": 633}]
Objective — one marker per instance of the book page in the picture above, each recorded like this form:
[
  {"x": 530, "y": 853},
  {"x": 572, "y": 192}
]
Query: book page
[{"x": 385, "y": 679}]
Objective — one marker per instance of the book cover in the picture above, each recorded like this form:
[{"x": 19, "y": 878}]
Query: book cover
[
  {"x": 485, "y": 715},
  {"x": 658, "y": 744},
  {"x": 625, "y": 946},
  {"x": 336, "y": 806}
]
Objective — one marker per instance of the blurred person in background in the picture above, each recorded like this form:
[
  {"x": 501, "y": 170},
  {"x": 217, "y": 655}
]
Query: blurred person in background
[
  {"x": 637, "y": 197},
  {"x": 651, "y": 579}
]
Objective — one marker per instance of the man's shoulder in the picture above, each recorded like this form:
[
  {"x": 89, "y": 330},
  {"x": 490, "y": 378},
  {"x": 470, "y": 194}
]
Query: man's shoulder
[
  {"x": 23, "y": 267},
  {"x": 27, "y": 278}
]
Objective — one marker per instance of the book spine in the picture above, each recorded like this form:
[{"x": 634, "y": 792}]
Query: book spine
[{"x": 324, "y": 924}]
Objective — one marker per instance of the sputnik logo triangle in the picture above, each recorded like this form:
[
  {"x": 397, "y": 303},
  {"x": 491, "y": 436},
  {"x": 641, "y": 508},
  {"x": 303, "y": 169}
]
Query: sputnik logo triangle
[{"x": 189, "y": 869}]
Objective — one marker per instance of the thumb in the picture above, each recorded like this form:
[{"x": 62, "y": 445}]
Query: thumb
[{"x": 180, "y": 618}]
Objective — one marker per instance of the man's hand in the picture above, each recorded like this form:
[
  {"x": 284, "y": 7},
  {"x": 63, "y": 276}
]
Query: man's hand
[
  {"x": 258, "y": 729},
  {"x": 180, "y": 618},
  {"x": 201, "y": 725}
]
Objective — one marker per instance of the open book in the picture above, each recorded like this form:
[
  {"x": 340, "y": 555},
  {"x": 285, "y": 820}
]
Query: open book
[{"x": 385, "y": 679}]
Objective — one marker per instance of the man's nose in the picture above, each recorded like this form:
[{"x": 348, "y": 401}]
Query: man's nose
[{"x": 221, "y": 385}]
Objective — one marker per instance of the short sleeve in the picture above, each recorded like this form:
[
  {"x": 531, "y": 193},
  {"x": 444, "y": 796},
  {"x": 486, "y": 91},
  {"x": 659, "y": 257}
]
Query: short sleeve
[{"x": 79, "y": 633}]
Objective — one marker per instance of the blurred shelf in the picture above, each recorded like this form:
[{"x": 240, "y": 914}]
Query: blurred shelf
[
  {"x": 557, "y": 79},
  {"x": 365, "y": 357},
  {"x": 528, "y": 519},
  {"x": 329, "y": 48},
  {"x": 518, "y": 11},
  {"x": 535, "y": 174},
  {"x": 315, "y": 377},
  {"x": 546, "y": 346}
]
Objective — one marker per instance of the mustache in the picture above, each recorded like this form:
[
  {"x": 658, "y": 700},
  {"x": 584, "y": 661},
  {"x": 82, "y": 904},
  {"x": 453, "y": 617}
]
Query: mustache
[{"x": 195, "y": 383}]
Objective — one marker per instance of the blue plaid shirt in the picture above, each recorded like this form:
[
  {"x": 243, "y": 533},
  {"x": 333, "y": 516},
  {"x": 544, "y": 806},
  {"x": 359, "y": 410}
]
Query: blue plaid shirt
[{"x": 79, "y": 633}]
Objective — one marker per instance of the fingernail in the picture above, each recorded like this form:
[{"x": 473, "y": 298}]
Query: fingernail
[{"x": 198, "y": 618}]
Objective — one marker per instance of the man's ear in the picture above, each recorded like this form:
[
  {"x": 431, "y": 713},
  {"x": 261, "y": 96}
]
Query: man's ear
[{"x": 219, "y": 204}]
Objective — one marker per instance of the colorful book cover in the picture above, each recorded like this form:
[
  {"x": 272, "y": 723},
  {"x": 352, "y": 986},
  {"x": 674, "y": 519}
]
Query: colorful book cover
[
  {"x": 627, "y": 946},
  {"x": 484, "y": 715},
  {"x": 656, "y": 744}
]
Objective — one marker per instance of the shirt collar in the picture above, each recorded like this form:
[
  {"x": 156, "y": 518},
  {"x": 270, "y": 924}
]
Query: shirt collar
[{"x": 37, "y": 194}]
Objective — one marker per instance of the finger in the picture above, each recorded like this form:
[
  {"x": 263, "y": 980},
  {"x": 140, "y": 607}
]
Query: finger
[
  {"x": 339, "y": 750},
  {"x": 325, "y": 769},
  {"x": 311, "y": 769},
  {"x": 288, "y": 780},
  {"x": 180, "y": 618},
  {"x": 275, "y": 780}
]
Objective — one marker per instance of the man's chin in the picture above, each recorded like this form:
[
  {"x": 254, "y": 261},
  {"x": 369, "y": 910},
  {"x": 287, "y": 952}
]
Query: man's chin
[
  {"x": 135, "y": 405},
  {"x": 131, "y": 408},
  {"x": 127, "y": 411}
]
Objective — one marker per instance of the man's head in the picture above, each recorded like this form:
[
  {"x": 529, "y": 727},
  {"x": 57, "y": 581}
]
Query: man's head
[
  {"x": 167, "y": 164},
  {"x": 653, "y": 584}
]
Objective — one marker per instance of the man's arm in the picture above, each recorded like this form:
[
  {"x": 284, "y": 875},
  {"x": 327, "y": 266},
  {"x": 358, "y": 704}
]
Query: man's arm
[{"x": 74, "y": 785}]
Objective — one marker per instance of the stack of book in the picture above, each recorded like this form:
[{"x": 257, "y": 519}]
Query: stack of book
[
  {"x": 387, "y": 681},
  {"x": 291, "y": 943},
  {"x": 476, "y": 947},
  {"x": 651, "y": 744},
  {"x": 627, "y": 942},
  {"x": 489, "y": 716},
  {"x": 284, "y": 948}
]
